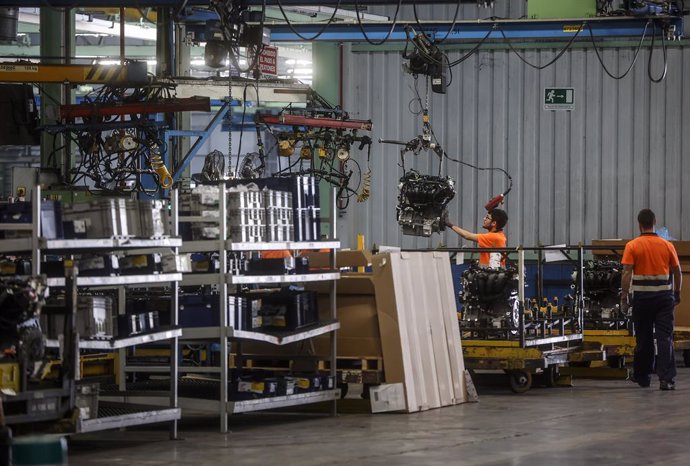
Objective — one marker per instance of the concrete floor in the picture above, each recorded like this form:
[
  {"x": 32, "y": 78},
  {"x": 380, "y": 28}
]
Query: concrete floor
[{"x": 592, "y": 423}]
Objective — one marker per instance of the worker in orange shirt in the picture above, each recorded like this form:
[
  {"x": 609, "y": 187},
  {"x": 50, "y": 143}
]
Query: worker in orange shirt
[
  {"x": 652, "y": 271},
  {"x": 494, "y": 221}
]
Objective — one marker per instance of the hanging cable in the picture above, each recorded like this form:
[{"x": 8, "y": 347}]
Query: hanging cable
[
  {"x": 361, "y": 27},
  {"x": 244, "y": 113},
  {"x": 651, "y": 54},
  {"x": 321, "y": 31},
  {"x": 233, "y": 51},
  {"x": 475, "y": 48},
  {"x": 455, "y": 20},
  {"x": 475, "y": 167},
  {"x": 555, "y": 59},
  {"x": 601, "y": 61}
]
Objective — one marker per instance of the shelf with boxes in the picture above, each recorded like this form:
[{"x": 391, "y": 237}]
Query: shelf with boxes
[
  {"x": 247, "y": 245},
  {"x": 92, "y": 238}
]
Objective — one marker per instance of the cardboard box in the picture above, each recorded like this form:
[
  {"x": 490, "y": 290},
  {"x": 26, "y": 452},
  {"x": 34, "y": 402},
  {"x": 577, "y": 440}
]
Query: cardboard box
[
  {"x": 343, "y": 258},
  {"x": 387, "y": 398},
  {"x": 356, "y": 311}
]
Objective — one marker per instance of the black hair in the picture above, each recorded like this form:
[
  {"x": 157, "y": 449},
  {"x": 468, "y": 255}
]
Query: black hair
[
  {"x": 500, "y": 217},
  {"x": 646, "y": 218}
]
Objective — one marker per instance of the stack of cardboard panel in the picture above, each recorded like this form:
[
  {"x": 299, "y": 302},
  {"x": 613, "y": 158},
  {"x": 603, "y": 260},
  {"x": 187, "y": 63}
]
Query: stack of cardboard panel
[{"x": 420, "y": 338}]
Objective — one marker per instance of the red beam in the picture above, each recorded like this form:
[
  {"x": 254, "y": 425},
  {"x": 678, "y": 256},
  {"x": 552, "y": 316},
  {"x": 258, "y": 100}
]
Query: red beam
[
  {"x": 70, "y": 112},
  {"x": 299, "y": 120}
]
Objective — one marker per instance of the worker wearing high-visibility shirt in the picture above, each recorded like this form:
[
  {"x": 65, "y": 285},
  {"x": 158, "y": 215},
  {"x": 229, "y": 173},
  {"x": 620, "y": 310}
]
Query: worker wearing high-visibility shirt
[
  {"x": 494, "y": 221},
  {"x": 652, "y": 271}
]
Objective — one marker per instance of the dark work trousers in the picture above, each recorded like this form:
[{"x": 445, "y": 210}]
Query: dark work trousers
[{"x": 653, "y": 317}]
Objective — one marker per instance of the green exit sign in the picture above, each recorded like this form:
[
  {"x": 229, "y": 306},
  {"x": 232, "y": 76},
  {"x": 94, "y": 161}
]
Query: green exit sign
[{"x": 559, "y": 98}]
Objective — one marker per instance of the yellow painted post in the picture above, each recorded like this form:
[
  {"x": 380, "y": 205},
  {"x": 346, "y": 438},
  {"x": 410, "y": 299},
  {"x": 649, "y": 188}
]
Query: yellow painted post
[{"x": 360, "y": 247}]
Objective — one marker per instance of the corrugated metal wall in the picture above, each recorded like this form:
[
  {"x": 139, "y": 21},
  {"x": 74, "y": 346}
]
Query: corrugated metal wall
[{"x": 578, "y": 175}]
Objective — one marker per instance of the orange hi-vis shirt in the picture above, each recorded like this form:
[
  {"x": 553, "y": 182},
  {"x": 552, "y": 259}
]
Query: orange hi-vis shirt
[
  {"x": 276, "y": 254},
  {"x": 496, "y": 239},
  {"x": 652, "y": 258}
]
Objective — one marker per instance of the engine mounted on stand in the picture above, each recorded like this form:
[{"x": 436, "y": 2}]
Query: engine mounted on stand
[
  {"x": 602, "y": 291},
  {"x": 490, "y": 299}
]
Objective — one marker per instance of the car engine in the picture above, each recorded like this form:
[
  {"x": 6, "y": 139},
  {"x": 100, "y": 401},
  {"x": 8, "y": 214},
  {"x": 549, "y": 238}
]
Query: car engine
[
  {"x": 602, "y": 291},
  {"x": 490, "y": 298},
  {"x": 422, "y": 203}
]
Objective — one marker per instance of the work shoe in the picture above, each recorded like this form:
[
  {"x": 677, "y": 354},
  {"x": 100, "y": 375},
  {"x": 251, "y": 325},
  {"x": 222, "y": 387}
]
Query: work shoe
[
  {"x": 667, "y": 385},
  {"x": 642, "y": 381}
]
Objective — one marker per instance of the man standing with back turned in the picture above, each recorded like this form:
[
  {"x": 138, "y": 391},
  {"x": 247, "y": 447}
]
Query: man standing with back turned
[{"x": 650, "y": 265}]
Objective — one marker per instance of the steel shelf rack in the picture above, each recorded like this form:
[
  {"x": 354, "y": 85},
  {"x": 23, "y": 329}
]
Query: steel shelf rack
[
  {"x": 109, "y": 416},
  {"x": 226, "y": 331}
]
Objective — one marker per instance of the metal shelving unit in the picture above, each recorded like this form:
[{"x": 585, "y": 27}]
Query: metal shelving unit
[
  {"x": 118, "y": 415},
  {"x": 109, "y": 417},
  {"x": 226, "y": 331},
  {"x": 207, "y": 397},
  {"x": 158, "y": 279},
  {"x": 119, "y": 343},
  {"x": 208, "y": 278}
]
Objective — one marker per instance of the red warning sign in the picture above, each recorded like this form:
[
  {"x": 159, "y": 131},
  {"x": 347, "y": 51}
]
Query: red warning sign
[{"x": 268, "y": 60}]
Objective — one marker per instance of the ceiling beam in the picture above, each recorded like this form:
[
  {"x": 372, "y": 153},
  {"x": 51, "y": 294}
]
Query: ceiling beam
[
  {"x": 492, "y": 30},
  {"x": 176, "y": 3},
  {"x": 87, "y": 23}
]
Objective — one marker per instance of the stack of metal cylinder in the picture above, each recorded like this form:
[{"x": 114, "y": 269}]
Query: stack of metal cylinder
[
  {"x": 307, "y": 213},
  {"x": 115, "y": 217},
  {"x": 279, "y": 221},
  {"x": 246, "y": 216}
]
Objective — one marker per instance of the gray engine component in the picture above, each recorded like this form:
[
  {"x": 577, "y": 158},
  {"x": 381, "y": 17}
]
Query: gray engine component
[
  {"x": 422, "y": 203},
  {"x": 490, "y": 297}
]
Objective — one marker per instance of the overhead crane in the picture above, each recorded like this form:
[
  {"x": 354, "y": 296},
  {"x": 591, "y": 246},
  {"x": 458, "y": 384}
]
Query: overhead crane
[{"x": 25, "y": 72}]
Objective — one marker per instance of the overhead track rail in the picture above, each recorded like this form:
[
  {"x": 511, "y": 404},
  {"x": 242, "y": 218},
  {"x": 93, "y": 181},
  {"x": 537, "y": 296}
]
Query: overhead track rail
[
  {"x": 176, "y": 3},
  {"x": 23, "y": 72},
  {"x": 486, "y": 29}
]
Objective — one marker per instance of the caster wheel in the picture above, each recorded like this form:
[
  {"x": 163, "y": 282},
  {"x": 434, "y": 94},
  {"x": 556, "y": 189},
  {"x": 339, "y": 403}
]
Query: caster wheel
[
  {"x": 550, "y": 376},
  {"x": 520, "y": 381},
  {"x": 616, "y": 362}
]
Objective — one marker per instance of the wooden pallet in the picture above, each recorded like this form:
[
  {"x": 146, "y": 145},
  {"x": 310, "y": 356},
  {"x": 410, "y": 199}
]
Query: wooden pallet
[
  {"x": 354, "y": 363},
  {"x": 366, "y": 370}
]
